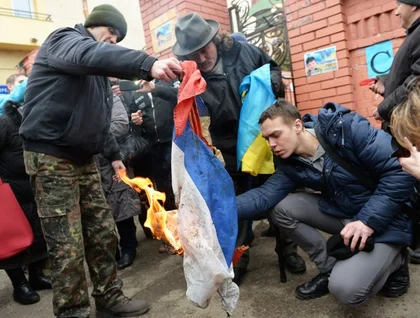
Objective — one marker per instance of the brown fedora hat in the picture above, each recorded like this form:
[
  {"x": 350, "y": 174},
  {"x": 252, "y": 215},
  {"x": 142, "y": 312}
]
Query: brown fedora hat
[{"x": 192, "y": 33}]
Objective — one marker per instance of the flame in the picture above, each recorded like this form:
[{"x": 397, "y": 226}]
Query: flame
[{"x": 162, "y": 223}]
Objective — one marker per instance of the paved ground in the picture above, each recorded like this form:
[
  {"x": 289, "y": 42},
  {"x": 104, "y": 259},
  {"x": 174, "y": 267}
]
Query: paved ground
[{"x": 159, "y": 279}]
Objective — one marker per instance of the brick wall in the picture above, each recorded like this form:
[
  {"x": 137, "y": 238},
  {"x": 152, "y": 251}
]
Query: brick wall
[
  {"x": 151, "y": 9},
  {"x": 369, "y": 22},
  {"x": 350, "y": 25}
]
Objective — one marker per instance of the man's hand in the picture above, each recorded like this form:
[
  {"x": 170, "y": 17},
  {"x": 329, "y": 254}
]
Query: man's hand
[
  {"x": 412, "y": 163},
  {"x": 137, "y": 118},
  {"x": 146, "y": 87},
  {"x": 166, "y": 70},
  {"x": 116, "y": 90},
  {"x": 378, "y": 87},
  {"x": 117, "y": 165},
  {"x": 356, "y": 229},
  {"x": 377, "y": 116}
]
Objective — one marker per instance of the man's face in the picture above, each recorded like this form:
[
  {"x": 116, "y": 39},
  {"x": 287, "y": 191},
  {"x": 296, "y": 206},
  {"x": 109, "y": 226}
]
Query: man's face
[
  {"x": 282, "y": 138},
  {"x": 205, "y": 58},
  {"x": 311, "y": 65},
  {"x": 406, "y": 13},
  {"x": 19, "y": 79},
  {"x": 105, "y": 34}
]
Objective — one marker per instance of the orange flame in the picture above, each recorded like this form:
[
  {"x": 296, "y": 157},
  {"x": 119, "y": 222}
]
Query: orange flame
[{"x": 162, "y": 223}]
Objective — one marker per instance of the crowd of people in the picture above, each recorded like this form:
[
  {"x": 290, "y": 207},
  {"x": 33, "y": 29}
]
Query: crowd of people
[{"x": 69, "y": 127}]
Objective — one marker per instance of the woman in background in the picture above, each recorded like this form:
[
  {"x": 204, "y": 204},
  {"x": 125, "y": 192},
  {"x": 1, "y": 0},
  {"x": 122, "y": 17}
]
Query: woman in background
[{"x": 12, "y": 171}]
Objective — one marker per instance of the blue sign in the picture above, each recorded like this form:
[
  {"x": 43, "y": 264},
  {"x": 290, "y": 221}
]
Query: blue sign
[
  {"x": 3, "y": 90},
  {"x": 379, "y": 58}
]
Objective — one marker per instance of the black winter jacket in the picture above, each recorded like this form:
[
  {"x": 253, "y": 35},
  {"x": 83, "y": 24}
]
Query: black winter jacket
[
  {"x": 12, "y": 166},
  {"x": 68, "y": 98},
  {"x": 354, "y": 139},
  {"x": 222, "y": 95},
  {"x": 12, "y": 171},
  {"x": 405, "y": 67}
]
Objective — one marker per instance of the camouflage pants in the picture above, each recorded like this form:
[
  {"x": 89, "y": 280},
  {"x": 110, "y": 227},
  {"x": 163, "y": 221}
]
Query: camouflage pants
[{"x": 77, "y": 223}]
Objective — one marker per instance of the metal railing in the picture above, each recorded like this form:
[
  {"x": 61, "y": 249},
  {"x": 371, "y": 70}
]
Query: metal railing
[{"x": 25, "y": 14}]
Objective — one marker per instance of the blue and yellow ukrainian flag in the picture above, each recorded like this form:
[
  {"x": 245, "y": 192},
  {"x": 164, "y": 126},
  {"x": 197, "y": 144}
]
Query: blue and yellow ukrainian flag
[{"x": 253, "y": 152}]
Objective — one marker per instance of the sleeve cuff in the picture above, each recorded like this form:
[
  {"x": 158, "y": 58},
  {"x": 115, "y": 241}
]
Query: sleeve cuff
[
  {"x": 115, "y": 156},
  {"x": 146, "y": 67}
]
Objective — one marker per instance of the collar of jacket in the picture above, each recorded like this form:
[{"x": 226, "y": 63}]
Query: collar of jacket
[
  {"x": 79, "y": 27},
  {"x": 231, "y": 57},
  {"x": 413, "y": 26}
]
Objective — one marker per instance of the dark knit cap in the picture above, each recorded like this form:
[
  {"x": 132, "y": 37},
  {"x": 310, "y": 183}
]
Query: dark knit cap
[
  {"x": 411, "y": 2},
  {"x": 107, "y": 15}
]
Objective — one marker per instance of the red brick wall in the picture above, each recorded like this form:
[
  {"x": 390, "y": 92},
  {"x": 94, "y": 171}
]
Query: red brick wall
[
  {"x": 151, "y": 9},
  {"x": 350, "y": 25},
  {"x": 369, "y": 22}
]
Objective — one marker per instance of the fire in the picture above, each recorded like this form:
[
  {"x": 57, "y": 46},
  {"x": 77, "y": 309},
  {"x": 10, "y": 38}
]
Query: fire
[{"x": 162, "y": 223}]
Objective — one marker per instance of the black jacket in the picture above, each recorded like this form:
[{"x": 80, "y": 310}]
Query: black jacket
[
  {"x": 405, "y": 67},
  {"x": 68, "y": 98},
  {"x": 222, "y": 95},
  {"x": 158, "y": 119},
  {"x": 12, "y": 171},
  {"x": 12, "y": 166}
]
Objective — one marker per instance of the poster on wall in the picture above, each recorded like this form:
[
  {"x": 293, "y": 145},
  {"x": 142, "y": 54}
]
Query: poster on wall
[
  {"x": 379, "y": 58},
  {"x": 3, "y": 89},
  {"x": 321, "y": 61},
  {"x": 162, "y": 31}
]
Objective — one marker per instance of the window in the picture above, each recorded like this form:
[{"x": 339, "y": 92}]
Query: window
[{"x": 23, "y": 8}]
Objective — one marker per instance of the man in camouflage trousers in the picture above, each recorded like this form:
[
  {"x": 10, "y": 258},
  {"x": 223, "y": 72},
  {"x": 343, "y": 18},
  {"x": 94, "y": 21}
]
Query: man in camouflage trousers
[
  {"x": 69, "y": 231},
  {"x": 66, "y": 121}
]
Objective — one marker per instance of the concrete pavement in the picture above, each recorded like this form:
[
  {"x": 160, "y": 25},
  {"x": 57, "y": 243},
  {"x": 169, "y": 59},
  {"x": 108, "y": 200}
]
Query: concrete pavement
[{"x": 159, "y": 279}]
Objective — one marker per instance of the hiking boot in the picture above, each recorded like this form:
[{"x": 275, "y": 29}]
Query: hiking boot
[{"x": 120, "y": 306}]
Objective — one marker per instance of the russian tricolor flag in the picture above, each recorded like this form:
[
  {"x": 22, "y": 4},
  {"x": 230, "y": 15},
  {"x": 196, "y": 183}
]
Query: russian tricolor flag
[{"x": 207, "y": 212}]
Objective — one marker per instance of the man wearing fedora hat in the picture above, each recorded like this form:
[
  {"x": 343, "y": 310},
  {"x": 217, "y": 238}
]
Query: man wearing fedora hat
[
  {"x": 66, "y": 122},
  {"x": 224, "y": 62}
]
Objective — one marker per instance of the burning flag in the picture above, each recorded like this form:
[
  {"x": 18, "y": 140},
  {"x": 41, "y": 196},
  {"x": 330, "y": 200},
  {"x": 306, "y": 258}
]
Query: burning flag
[
  {"x": 162, "y": 223},
  {"x": 207, "y": 213}
]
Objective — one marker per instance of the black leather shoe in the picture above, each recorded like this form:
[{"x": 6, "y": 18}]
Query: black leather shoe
[
  {"x": 239, "y": 275},
  {"x": 398, "y": 282},
  {"x": 294, "y": 263},
  {"x": 24, "y": 294},
  {"x": 39, "y": 282},
  {"x": 415, "y": 256},
  {"x": 315, "y": 288},
  {"x": 126, "y": 260}
]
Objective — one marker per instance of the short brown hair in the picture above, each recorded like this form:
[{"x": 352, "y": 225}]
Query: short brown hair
[
  {"x": 405, "y": 119},
  {"x": 12, "y": 78},
  {"x": 281, "y": 108}
]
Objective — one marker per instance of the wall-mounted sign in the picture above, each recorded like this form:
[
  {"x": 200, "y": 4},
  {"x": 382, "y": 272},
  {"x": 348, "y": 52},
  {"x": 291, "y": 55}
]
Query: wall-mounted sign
[
  {"x": 321, "y": 61},
  {"x": 162, "y": 31},
  {"x": 3, "y": 89},
  {"x": 379, "y": 58}
]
